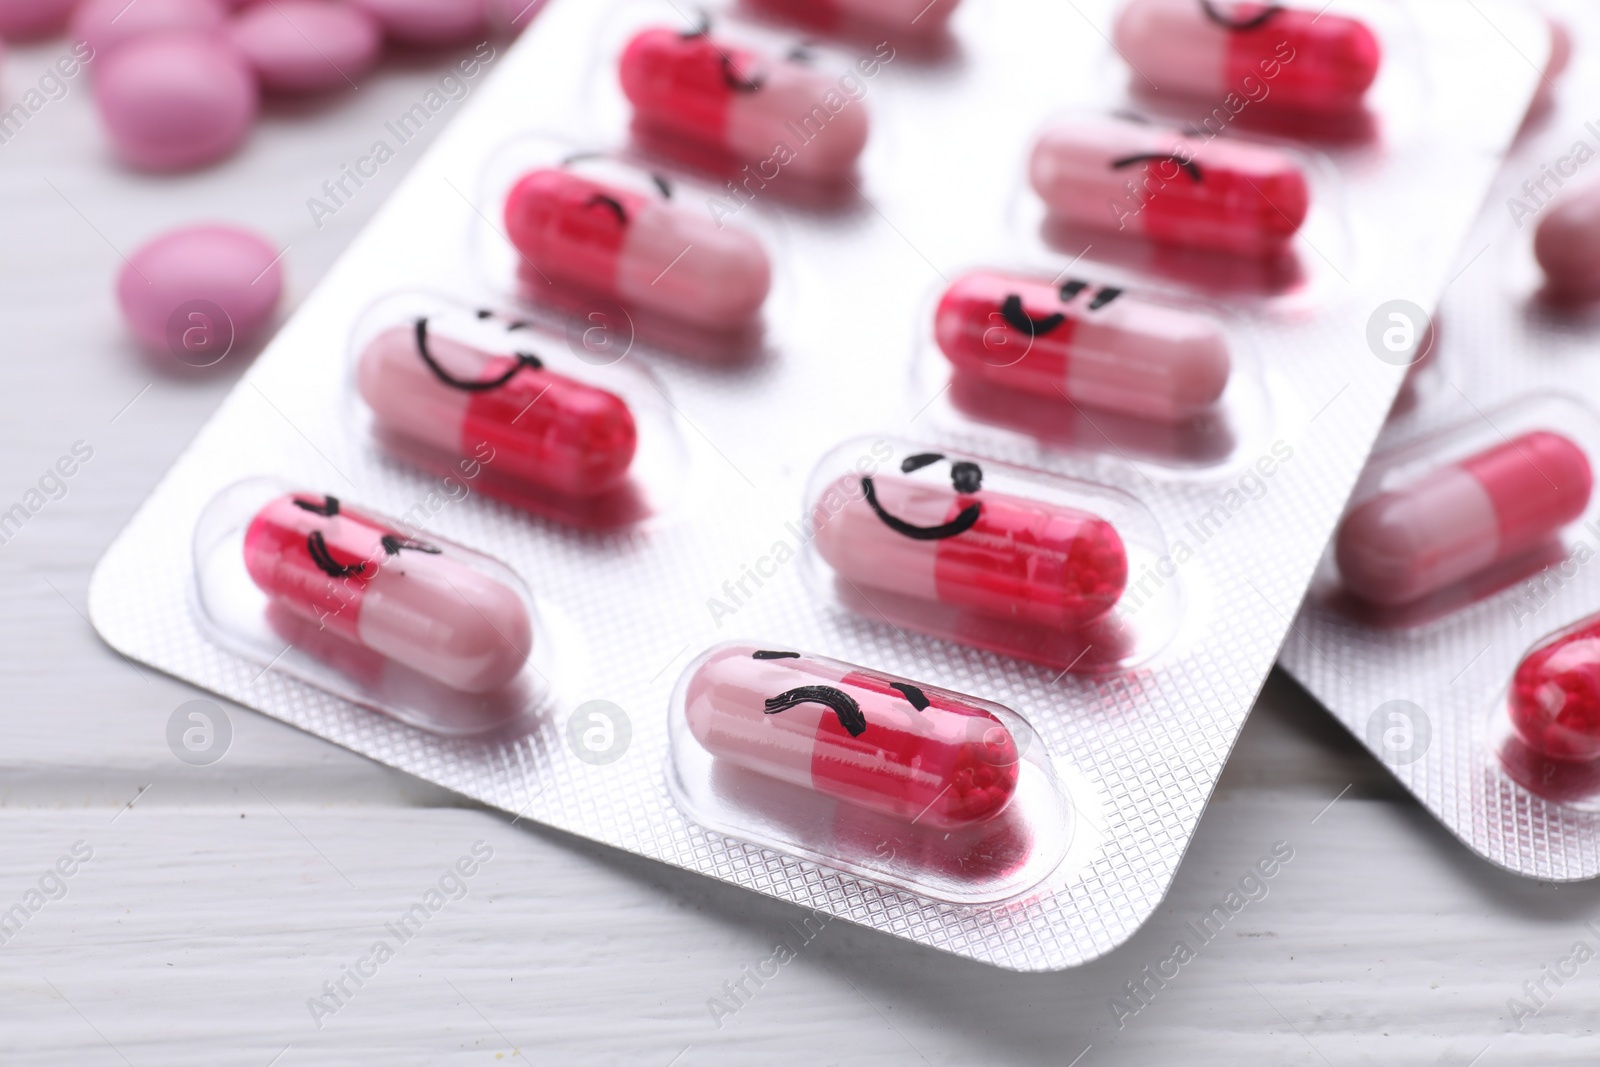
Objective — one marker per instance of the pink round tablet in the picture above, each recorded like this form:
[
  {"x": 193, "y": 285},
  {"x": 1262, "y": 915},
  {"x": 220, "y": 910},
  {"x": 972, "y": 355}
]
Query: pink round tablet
[
  {"x": 176, "y": 101},
  {"x": 429, "y": 23},
  {"x": 108, "y": 24},
  {"x": 197, "y": 291},
  {"x": 28, "y": 20},
  {"x": 306, "y": 46}
]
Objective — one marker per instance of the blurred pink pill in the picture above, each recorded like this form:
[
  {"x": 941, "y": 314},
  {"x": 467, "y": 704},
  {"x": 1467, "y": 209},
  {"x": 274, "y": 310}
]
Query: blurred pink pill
[
  {"x": 27, "y": 20},
  {"x": 1567, "y": 245},
  {"x": 106, "y": 24},
  {"x": 306, "y": 46},
  {"x": 429, "y": 23},
  {"x": 197, "y": 290},
  {"x": 175, "y": 101}
]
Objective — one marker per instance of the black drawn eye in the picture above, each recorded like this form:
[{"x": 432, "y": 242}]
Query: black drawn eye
[
  {"x": 1071, "y": 289},
  {"x": 1189, "y": 167},
  {"x": 392, "y": 545},
  {"x": 1104, "y": 297},
  {"x": 916, "y": 697},
  {"x": 328, "y": 507},
  {"x": 918, "y": 461},
  {"x": 966, "y": 477},
  {"x": 737, "y": 81},
  {"x": 764, "y": 654}
]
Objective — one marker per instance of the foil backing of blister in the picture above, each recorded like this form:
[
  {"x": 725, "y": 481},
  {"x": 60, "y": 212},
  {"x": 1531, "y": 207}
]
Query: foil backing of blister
[
  {"x": 1499, "y": 341},
  {"x": 940, "y": 189}
]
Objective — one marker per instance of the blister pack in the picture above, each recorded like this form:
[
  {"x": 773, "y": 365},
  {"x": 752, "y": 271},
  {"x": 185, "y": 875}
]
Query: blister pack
[
  {"x": 1450, "y": 625},
  {"x": 872, "y": 466}
]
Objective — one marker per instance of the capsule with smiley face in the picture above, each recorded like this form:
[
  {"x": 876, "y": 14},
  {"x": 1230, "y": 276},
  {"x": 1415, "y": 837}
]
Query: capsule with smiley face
[
  {"x": 1309, "y": 60},
  {"x": 637, "y": 249},
  {"x": 542, "y": 428},
  {"x": 1160, "y": 185},
  {"x": 744, "y": 103},
  {"x": 355, "y": 575},
  {"x": 934, "y": 533},
  {"x": 1079, "y": 343},
  {"x": 913, "y": 752}
]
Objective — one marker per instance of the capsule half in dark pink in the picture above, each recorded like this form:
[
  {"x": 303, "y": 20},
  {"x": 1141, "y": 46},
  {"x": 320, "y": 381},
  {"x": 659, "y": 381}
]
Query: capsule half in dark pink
[
  {"x": 913, "y": 752},
  {"x": 1460, "y": 519}
]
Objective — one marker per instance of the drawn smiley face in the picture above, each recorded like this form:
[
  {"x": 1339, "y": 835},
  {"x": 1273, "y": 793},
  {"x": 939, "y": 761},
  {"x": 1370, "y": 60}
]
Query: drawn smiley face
[
  {"x": 966, "y": 478},
  {"x": 321, "y": 555},
  {"x": 1016, "y": 314},
  {"x": 842, "y": 704}
]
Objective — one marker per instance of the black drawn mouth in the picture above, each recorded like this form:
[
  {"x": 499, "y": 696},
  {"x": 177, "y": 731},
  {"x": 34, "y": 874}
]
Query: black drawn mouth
[
  {"x": 1245, "y": 24},
  {"x": 317, "y": 548},
  {"x": 1189, "y": 167},
  {"x": 524, "y": 360},
  {"x": 966, "y": 478},
  {"x": 1017, "y": 316},
  {"x": 611, "y": 203}
]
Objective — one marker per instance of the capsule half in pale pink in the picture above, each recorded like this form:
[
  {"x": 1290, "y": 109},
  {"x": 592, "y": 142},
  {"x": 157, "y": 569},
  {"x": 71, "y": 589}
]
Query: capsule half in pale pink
[
  {"x": 916, "y": 753},
  {"x": 1269, "y": 55},
  {"x": 357, "y": 576},
  {"x": 533, "y": 425},
  {"x": 1079, "y": 343},
  {"x": 957, "y": 544},
  {"x": 1155, "y": 183},
  {"x": 1463, "y": 518},
  {"x": 637, "y": 249},
  {"x": 746, "y": 104}
]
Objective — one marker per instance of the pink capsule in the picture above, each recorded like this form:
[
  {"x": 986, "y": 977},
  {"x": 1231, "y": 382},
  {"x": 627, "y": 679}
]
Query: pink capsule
[
  {"x": 534, "y": 425},
  {"x": 956, "y": 543},
  {"x": 1145, "y": 181},
  {"x": 636, "y": 249},
  {"x": 1567, "y": 246},
  {"x": 1078, "y": 343},
  {"x": 1308, "y": 60},
  {"x": 745, "y": 103},
  {"x": 912, "y": 752},
  {"x": 358, "y": 577},
  {"x": 1459, "y": 519}
]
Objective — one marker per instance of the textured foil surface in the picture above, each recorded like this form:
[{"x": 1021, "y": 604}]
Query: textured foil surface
[
  {"x": 1499, "y": 341},
  {"x": 941, "y": 188}
]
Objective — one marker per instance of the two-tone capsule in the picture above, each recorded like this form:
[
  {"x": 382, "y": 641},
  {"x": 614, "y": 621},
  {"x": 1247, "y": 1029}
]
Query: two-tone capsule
[
  {"x": 1555, "y": 694},
  {"x": 637, "y": 249},
  {"x": 1462, "y": 518},
  {"x": 1149, "y": 182},
  {"x": 1079, "y": 343},
  {"x": 949, "y": 541},
  {"x": 910, "y": 751},
  {"x": 744, "y": 103},
  {"x": 542, "y": 428},
  {"x": 355, "y": 575},
  {"x": 1284, "y": 57}
]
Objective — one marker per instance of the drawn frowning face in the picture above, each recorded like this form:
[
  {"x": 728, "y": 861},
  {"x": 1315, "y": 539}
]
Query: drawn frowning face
[{"x": 842, "y": 704}]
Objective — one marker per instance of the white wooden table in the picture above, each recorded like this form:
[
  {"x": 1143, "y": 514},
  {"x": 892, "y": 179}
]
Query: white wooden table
[{"x": 222, "y": 900}]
